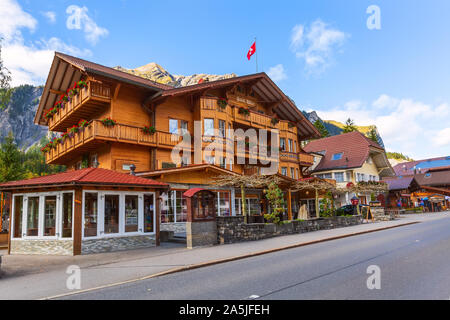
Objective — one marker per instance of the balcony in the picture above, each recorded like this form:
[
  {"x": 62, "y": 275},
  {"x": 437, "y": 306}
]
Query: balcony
[
  {"x": 96, "y": 134},
  {"x": 89, "y": 101},
  {"x": 253, "y": 119},
  {"x": 305, "y": 159}
]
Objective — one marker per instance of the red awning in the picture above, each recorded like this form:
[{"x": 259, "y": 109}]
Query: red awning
[{"x": 192, "y": 191}]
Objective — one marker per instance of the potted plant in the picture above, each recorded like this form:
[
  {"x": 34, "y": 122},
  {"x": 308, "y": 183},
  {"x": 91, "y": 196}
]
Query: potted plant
[
  {"x": 73, "y": 130},
  {"x": 222, "y": 103},
  {"x": 83, "y": 124},
  {"x": 244, "y": 111},
  {"x": 149, "y": 130},
  {"x": 108, "y": 122}
]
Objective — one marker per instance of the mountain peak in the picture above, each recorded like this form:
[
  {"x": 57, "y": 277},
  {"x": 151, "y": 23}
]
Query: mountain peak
[{"x": 155, "y": 72}]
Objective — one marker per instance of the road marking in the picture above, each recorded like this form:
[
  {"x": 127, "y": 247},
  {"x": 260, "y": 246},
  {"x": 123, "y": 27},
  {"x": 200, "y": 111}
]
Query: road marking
[{"x": 253, "y": 297}]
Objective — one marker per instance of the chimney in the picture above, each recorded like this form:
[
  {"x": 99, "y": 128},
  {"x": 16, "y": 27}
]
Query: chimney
[{"x": 132, "y": 170}]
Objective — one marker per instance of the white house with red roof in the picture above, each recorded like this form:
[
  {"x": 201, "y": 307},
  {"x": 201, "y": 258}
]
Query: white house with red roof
[{"x": 349, "y": 157}]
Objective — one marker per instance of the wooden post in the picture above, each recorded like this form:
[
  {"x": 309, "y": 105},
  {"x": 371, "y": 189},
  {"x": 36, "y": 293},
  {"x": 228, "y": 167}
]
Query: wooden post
[
  {"x": 77, "y": 221},
  {"x": 158, "y": 216},
  {"x": 244, "y": 207},
  {"x": 1, "y": 213},
  {"x": 289, "y": 199},
  {"x": 317, "y": 204}
]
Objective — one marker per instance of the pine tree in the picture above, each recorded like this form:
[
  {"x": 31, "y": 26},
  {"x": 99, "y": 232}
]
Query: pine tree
[
  {"x": 11, "y": 167},
  {"x": 372, "y": 135},
  {"x": 349, "y": 126},
  {"x": 323, "y": 131}
]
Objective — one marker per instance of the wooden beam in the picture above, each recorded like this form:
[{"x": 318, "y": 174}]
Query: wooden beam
[
  {"x": 116, "y": 91},
  {"x": 77, "y": 221},
  {"x": 57, "y": 92},
  {"x": 157, "y": 216},
  {"x": 289, "y": 199}
]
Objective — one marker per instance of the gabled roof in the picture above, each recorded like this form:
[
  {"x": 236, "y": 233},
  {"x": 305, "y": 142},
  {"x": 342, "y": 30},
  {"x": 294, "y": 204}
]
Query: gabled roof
[
  {"x": 355, "y": 148},
  {"x": 66, "y": 69},
  {"x": 263, "y": 86},
  {"x": 88, "y": 176},
  {"x": 434, "y": 178},
  {"x": 424, "y": 165},
  {"x": 399, "y": 183}
]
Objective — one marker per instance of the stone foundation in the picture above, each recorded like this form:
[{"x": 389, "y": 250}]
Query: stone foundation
[
  {"x": 233, "y": 229},
  {"x": 49, "y": 247},
  {"x": 117, "y": 244},
  {"x": 176, "y": 227}
]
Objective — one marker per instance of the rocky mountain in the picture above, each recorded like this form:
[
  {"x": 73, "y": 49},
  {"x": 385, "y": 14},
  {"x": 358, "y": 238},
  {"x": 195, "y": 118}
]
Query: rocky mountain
[
  {"x": 335, "y": 127},
  {"x": 18, "y": 116},
  {"x": 155, "y": 72}
]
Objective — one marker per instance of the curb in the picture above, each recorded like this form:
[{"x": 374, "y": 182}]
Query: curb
[{"x": 219, "y": 261}]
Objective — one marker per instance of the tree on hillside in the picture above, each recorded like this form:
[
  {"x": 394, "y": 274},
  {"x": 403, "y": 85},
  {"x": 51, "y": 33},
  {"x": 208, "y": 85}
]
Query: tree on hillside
[
  {"x": 372, "y": 135},
  {"x": 5, "y": 80},
  {"x": 349, "y": 126},
  {"x": 323, "y": 131},
  {"x": 11, "y": 167},
  {"x": 34, "y": 161}
]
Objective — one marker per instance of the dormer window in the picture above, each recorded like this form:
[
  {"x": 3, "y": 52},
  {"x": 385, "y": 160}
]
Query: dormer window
[{"x": 337, "y": 156}]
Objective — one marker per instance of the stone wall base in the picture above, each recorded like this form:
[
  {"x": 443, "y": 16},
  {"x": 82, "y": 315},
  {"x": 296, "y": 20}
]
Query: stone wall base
[
  {"x": 233, "y": 229},
  {"x": 49, "y": 247},
  {"x": 199, "y": 234},
  {"x": 176, "y": 227},
  {"x": 117, "y": 244}
]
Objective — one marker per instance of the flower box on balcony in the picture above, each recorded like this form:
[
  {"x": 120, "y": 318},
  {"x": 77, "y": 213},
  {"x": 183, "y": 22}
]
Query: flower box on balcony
[{"x": 244, "y": 111}]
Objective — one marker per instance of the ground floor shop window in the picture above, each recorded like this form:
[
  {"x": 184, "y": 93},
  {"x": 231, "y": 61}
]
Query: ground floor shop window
[
  {"x": 224, "y": 206},
  {"x": 131, "y": 214},
  {"x": 149, "y": 211},
  {"x": 90, "y": 214},
  {"x": 18, "y": 212},
  {"x": 111, "y": 221},
  {"x": 50, "y": 216},
  {"x": 253, "y": 206},
  {"x": 33, "y": 217},
  {"x": 67, "y": 215}
]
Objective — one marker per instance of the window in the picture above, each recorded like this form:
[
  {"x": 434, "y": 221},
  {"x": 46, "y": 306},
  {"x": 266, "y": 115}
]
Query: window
[
  {"x": 67, "y": 215},
  {"x": 222, "y": 128},
  {"x": 223, "y": 198},
  {"x": 180, "y": 206},
  {"x": 349, "y": 176},
  {"x": 168, "y": 165},
  {"x": 173, "y": 126},
  {"x": 295, "y": 147},
  {"x": 184, "y": 127},
  {"x": 50, "y": 216},
  {"x": 325, "y": 176},
  {"x": 231, "y": 165},
  {"x": 339, "y": 176},
  {"x": 148, "y": 213},
  {"x": 18, "y": 211},
  {"x": 293, "y": 173},
  {"x": 222, "y": 162},
  {"x": 167, "y": 215},
  {"x": 337, "y": 156},
  {"x": 90, "y": 214},
  {"x": 296, "y": 174},
  {"x": 131, "y": 213},
  {"x": 291, "y": 147},
  {"x": 185, "y": 161},
  {"x": 284, "y": 171},
  {"x": 282, "y": 144},
  {"x": 94, "y": 160},
  {"x": 210, "y": 159},
  {"x": 111, "y": 214},
  {"x": 254, "y": 208},
  {"x": 33, "y": 217},
  {"x": 208, "y": 127}
]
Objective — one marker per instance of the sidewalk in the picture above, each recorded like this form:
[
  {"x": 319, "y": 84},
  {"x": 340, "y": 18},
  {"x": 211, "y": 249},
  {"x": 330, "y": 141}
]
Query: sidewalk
[{"x": 35, "y": 277}]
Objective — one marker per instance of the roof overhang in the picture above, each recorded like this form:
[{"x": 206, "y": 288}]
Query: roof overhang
[{"x": 189, "y": 168}]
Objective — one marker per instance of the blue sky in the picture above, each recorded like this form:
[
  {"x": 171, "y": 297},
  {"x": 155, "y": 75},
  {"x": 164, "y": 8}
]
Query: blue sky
[{"x": 321, "y": 53}]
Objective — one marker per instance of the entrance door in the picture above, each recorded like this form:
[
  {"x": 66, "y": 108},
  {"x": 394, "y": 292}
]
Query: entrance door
[
  {"x": 149, "y": 213},
  {"x": 111, "y": 214}
]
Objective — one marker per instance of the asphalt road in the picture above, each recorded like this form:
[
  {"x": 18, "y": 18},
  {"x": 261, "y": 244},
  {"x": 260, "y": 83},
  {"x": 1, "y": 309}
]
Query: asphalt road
[{"x": 414, "y": 262}]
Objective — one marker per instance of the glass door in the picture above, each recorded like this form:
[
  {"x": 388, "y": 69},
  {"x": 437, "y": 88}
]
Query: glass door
[{"x": 149, "y": 213}]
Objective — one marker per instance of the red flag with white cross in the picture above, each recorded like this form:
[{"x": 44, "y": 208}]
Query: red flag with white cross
[{"x": 251, "y": 51}]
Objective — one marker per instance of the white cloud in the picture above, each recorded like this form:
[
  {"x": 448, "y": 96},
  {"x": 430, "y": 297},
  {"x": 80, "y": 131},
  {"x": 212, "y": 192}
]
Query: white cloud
[
  {"x": 28, "y": 62},
  {"x": 50, "y": 15},
  {"x": 79, "y": 19},
  {"x": 442, "y": 138},
  {"x": 315, "y": 44},
  {"x": 277, "y": 73},
  {"x": 406, "y": 125},
  {"x": 12, "y": 19}
]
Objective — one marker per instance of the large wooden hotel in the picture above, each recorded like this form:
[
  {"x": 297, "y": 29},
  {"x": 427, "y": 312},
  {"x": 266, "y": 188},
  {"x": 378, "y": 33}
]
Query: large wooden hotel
[{"x": 115, "y": 134}]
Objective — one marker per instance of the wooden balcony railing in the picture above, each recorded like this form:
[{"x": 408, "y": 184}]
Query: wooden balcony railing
[
  {"x": 252, "y": 119},
  {"x": 306, "y": 159},
  {"x": 96, "y": 131},
  {"x": 88, "y": 101}
]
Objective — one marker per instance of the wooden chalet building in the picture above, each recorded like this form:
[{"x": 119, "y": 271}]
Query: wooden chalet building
[{"x": 118, "y": 122}]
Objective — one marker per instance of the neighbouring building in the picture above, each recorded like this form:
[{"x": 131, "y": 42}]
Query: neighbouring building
[
  {"x": 119, "y": 123},
  {"x": 348, "y": 158}
]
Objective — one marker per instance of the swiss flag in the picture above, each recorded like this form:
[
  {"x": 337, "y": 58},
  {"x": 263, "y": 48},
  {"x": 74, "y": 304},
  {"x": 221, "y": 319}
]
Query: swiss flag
[{"x": 251, "y": 51}]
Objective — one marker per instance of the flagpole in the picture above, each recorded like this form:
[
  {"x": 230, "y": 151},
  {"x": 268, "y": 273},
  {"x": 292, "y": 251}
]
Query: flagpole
[{"x": 256, "y": 57}]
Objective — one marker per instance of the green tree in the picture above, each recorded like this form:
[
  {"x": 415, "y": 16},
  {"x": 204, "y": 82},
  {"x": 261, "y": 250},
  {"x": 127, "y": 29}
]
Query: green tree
[
  {"x": 11, "y": 167},
  {"x": 5, "y": 80},
  {"x": 349, "y": 126},
  {"x": 372, "y": 135},
  {"x": 323, "y": 131},
  {"x": 34, "y": 161},
  {"x": 276, "y": 199}
]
